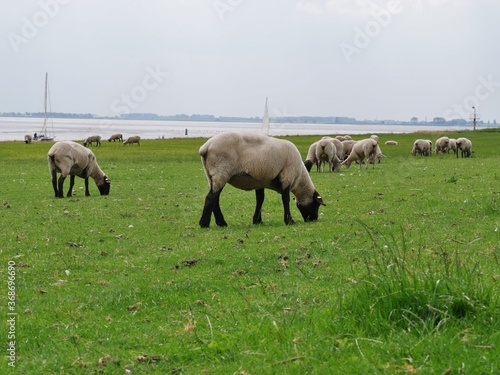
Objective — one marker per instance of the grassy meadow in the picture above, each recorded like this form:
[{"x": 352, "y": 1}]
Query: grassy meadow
[{"x": 400, "y": 274}]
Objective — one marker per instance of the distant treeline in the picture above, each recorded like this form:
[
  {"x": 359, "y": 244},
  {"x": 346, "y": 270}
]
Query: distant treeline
[{"x": 212, "y": 118}]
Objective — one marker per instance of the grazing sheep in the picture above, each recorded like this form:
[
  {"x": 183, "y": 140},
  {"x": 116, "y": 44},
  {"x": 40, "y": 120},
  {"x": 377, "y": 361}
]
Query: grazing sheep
[
  {"x": 421, "y": 147},
  {"x": 347, "y": 146},
  {"x": 256, "y": 162},
  {"x": 27, "y": 139},
  {"x": 374, "y": 136},
  {"x": 453, "y": 146},
  {"x": 133, "y": 139},
  {"x": 311, "y": 157},
  {"x": 93, "y": 138},
  {"x": 326, "y": 152},
  {"x": 116, "y": 137},
  {"x": 465, "y": 146},
  {"x": 377, "y": 155},
  {"x": 71, "y": 158},
  {"x": 338, "y": 145},
  {"x": 364, "y": 149},
  {"x": 391, "y": 143},
  {"x": 430, "y": 148},
  {"x": 343, "y": 138},
  {"x": 442, "y": 145}
]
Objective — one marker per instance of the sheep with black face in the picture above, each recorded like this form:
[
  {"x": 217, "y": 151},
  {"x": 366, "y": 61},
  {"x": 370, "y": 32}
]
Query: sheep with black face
[
  {"x": 256, "y": 162},
  {"x": 73, "y": 159}
]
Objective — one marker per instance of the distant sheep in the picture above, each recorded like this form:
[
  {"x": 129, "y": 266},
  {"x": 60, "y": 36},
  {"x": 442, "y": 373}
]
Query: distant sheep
[
  {"x": 421, "y": 147},
  {"x": 453, "y": 146},
  {"x": 391, "y": 143},
  {"x": 71, "y": 158},
  {"x": 465, "y": 146},
  {"x": 132, "y": 140},
  {"x": 93, "y": 138},
  {"x": 326, "y": 153},
  {"x": 311, "y": 157},
  {"x": 377, "y": 155},
  {"x": 361, "y": 150},
  {"x": 256, "y": 162},
  {"x": 442, "y": 145},
  {"x": 338, "y": 145},
  {"x": 116, "y": 137},
  {"x": 27, "y": 139},
  {"x": 347, "y": 146}
]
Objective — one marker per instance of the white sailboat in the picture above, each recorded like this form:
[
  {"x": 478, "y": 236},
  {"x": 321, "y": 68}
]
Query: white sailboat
[
  {"x": 265, "y": 121},
  {"x": 44, "y": 135}
]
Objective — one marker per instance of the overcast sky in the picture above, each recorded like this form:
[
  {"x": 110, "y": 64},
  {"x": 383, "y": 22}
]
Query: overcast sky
[{"x": 368, "y": 59}]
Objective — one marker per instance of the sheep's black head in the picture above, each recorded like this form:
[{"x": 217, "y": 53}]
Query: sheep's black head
[
  {"x": 308, "y": 165},
  {"x": 104, "y": 188},
  {"x": 310, "y": 211}
]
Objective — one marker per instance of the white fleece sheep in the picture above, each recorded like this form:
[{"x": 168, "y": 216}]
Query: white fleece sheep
[
  {"x": 326, "y": 153},
  {"x": 465, "y": 146},
  {"x": 93, "y": 138},
  {"x": 442, "y": 145},
  {"x": 71, "y": 158},
  {"x": 421, "y": 147},
  {"x": 116, "y": 137},
  {"x": 361, "y": 150},
  {"x": 453, "y": 146},
  {"x": 250, "y": 161},
  {"x": 347, "y": 146},
  {"x": 377, "y": 155},
  {"x": 132, "y": 140},
  {"x": 311, "y": 157},
  {"x": 338, "y": 145},
  {"x": 391, "y": 143},
  {"x": 27, "y": 139}
]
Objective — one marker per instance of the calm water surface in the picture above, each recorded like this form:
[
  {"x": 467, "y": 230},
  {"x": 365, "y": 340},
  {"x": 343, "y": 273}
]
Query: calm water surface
[{"x": 14, "y": 129}]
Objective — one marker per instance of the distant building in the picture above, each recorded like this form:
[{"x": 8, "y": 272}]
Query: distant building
[
  {"x": 438, "y": 120},
  {"x": 414, "y": 120}
]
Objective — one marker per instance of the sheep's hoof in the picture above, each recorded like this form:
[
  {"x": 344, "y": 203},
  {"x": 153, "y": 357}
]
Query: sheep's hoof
[
  {"x": 204, "y": 224},
  {"x": 221, "y": 224}
]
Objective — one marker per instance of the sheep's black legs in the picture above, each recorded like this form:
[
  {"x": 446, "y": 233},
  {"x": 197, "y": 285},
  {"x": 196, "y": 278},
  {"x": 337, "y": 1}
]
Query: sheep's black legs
[
  {"x": 285, "y": 198},
  {"x": 257, "y": 216},
  {"x": 71, "y": 184},
  {"x": 219, "y": 218},
  {"x": 212, "y": 205},
  {"x": 60, "y": 184},
  {"x": 54, "y": 184},
  {"x": 87, "y": 192}
]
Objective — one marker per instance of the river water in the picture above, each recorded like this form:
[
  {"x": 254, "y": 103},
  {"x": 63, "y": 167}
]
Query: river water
[{"x": 15, "y": 128}]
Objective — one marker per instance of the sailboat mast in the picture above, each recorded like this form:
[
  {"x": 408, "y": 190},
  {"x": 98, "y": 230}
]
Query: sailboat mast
[
  {"x": 45, "y": 103},
  {"x": 265, "y": 120}
]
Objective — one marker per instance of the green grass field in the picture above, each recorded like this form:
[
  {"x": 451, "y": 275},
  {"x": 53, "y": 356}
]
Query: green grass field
[{"x": 400, "y": 274}]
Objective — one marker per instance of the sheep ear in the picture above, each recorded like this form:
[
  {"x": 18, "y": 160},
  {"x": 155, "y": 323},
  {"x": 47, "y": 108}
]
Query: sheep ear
[
  {"x": 107, "y": 180},
  {"x": 318, "y": 198}
]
